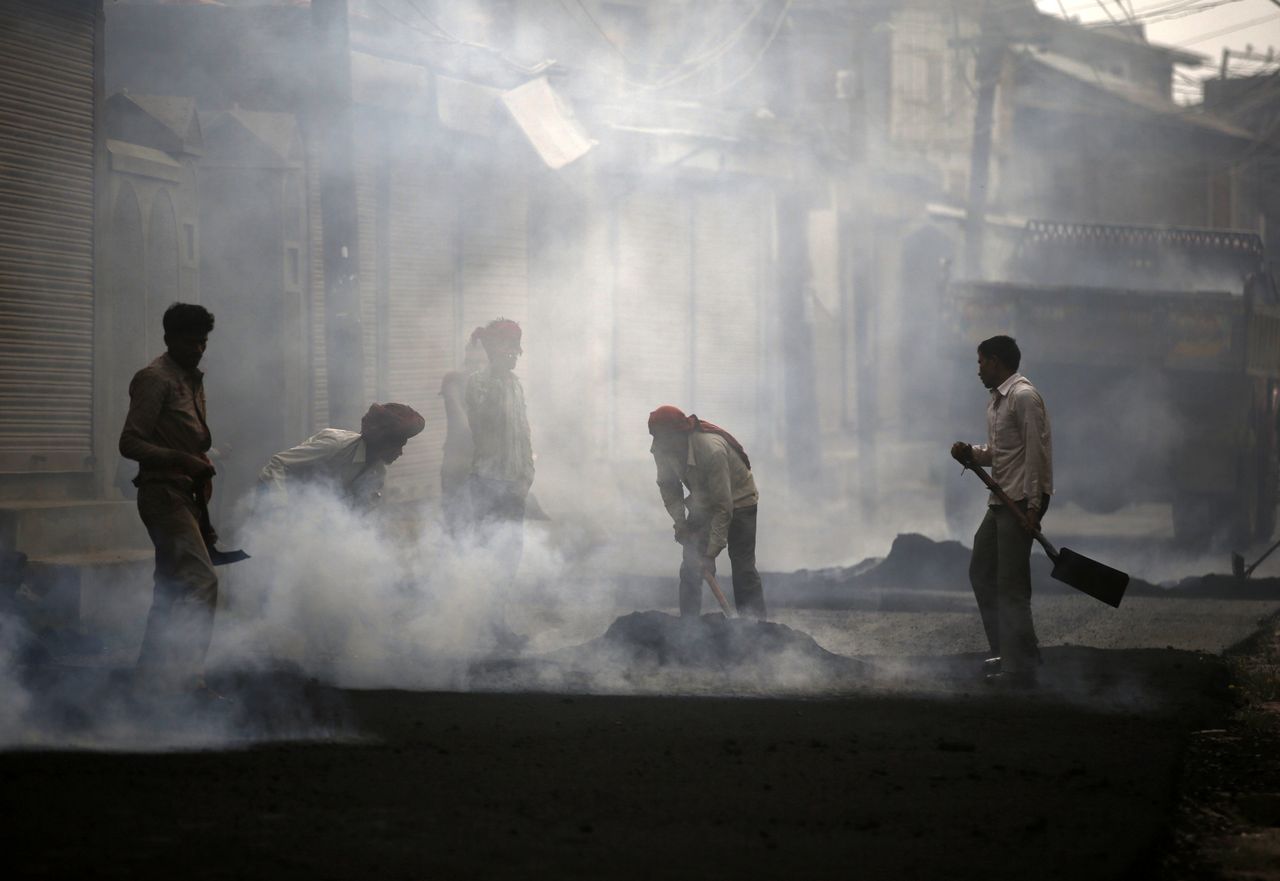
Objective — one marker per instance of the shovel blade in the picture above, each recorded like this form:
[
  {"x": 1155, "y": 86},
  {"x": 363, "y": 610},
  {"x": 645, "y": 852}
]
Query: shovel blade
[{"x": 1089, "y": 576}]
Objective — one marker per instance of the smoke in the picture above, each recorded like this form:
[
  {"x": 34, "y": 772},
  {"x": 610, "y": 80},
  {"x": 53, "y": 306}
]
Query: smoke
[{"x": 697, "y": 251}]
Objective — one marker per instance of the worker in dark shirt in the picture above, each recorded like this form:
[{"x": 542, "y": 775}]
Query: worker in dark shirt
[{"x": 167, "y": 434}]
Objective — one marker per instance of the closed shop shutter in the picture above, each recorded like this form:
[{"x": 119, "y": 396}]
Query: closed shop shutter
[
  {"x": 651, "y": 315},
  {"x": 420, "y": 313},
  {"x": 727, "y": 269},
  {"x": 494, "y": 261},
  {"x": 46, "y": 235},
  {"x": 316, "y": 281},
  {"x": 367, "y": 163}
]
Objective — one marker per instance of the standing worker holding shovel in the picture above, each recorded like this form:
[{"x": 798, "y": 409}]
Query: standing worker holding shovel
[
  {"x": 719, "y": 512},
  {"x": 1019, "y": 450},
  {"x": 167, "y": 434}
]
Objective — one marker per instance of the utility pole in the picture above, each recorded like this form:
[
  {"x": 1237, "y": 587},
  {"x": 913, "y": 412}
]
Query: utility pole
[
  {"x": 332, "y": 130},
  {"x": 989, "y": 63},
  {"x": 802, "y": 433}
]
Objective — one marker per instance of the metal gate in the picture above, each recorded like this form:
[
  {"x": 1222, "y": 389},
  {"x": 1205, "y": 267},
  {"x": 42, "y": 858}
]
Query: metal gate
[
  {"x": 46, "y": 235},
  {"x": 652, "y": 315},
  {"x": 494, "y": 259},
  {"x": 728, "y": 259},
  {"x": 419, "y": 334}
]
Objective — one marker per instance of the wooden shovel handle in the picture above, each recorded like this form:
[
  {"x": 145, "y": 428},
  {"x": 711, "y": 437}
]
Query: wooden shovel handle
[
  {"x": 1017, "y": 512},
  {"x": 719, "y": 594}
]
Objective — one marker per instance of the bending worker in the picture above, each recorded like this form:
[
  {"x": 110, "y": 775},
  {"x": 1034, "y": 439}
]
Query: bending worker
[
  {"x": 719, "y": 512},
  {"x": 353, "y": 463}
]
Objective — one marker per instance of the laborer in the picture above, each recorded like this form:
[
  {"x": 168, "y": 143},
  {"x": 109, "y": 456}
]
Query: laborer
[
  {"x": 502, "y": 457},
  {"x": 501, "y": 464},
  {"x": 718, "y": 512},
  {"x": 1019, "y": 450},
  {"x": 459, "y": 450},
  {"x": 353, "y": 464},
  {"x": 166, "y": 432}
]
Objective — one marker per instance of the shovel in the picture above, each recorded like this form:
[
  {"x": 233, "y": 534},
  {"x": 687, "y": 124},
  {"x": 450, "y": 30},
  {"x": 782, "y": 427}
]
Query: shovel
[
  {"x": 714, "y": 585},
  {"x": 1087, "y": 576},
  {"x": 719, "y": 594}
]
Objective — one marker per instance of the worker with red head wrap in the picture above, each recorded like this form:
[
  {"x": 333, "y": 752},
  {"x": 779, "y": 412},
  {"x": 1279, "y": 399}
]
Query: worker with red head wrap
[
  {"x": 502, "y": 456},
  {"x": 718, "y": 513},
  {"x": 353, "y": 463}
]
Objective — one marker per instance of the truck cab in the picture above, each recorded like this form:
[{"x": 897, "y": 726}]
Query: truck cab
[{"x": 1157, "y": 351}]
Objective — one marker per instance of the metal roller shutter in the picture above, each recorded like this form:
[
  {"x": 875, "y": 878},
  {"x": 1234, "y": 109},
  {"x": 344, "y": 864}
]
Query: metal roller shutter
[
  {"x": 727, "y": 254},
  {"x": 367, "y": 162},
  {"x": 651, "y": 315},
  {"x": 319, "y": 345},
  {"x": 420, "y": 316},
  {"x": 46, "y": 236},
  {"x": 494, "y": 262}
]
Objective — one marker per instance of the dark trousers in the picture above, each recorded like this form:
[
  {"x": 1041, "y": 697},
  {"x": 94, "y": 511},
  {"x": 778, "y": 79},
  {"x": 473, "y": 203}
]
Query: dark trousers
[
  {"x": 497, "y": 509},
  {"x": 748, "y": 590},
  {"x": 180, "y": 624},
  {"x": 1000, "y": 572}
]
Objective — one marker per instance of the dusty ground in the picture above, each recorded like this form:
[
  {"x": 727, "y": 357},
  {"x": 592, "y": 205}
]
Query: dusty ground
[
  {"x": 494, "y": 785},
  {"x": 1147, "y": 753},
  {"x": 913, "y": 772},
  {"x": 1228, "y": 823}
]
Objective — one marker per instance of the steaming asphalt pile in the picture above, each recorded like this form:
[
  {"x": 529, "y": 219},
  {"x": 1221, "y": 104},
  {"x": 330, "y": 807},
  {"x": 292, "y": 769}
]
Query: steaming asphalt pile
[
  {"x": 937, "y": 572},
  {"x": 659, "y": 652}
]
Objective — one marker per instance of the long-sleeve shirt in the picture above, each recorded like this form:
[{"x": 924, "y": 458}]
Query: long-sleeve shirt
[
  {"x": 499, "y": 424},
  {"x": 1019, "y": 445},
  {"x": 719, "y": 483},
  {"x": 166, "y": 416},
  {"x": 333, "y": 456}
]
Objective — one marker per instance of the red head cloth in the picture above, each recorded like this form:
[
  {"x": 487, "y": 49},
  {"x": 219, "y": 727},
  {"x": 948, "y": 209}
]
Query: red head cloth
[
  {"x": 391, "y": 422},
  {"x": 500, "y": 330},
  {"x": 668, "y": 418}
]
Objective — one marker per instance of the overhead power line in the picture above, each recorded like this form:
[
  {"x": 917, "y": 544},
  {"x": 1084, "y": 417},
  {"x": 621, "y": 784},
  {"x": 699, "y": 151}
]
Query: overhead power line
[{"x": 1271, "y": 16}]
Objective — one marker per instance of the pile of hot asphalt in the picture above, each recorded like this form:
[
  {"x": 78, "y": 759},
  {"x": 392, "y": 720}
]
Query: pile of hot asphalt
[{"x": 658, "y": 652}]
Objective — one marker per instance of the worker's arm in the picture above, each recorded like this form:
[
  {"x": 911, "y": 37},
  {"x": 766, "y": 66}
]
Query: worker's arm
[
  {"x": 672, "y": 491},
  {"x": 718, "y": 489},
  {"x": 477, "y": 398},
  {"x": 304, "y": 457},
  {"x": 148, "y": 393},
  {"x": 1028, "y": 408},
  {"x": 453, "y": 389},
  {"x": 365, "y": 492}
]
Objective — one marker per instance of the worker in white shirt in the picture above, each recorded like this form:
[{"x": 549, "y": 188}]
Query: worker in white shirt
[
  {"x": 352, "y": 463},
  {"x": 1019, "y": 451},
  {"x": 718, "y": 513}
]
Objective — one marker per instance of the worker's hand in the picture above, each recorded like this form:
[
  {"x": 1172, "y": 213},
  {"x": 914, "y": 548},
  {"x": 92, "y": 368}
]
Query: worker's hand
[
  {"x": 682, "y": 533},
  {"x": 1033, "y": 521},
  {"x": 962, "y": 453},
  {"x": 196, "y": 467},
  {"x": 708, "y": 566}
]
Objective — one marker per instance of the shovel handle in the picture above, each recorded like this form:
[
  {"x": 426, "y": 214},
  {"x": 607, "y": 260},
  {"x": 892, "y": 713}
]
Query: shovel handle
[
  {"x": 719, "y": 594},
  {"x": 1017, "y": 512}
]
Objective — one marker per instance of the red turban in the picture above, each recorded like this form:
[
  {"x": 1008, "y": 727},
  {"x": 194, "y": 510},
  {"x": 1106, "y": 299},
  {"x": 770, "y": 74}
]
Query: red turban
[
  {"x": 668, "y": 418},
  {"x": 500, "y": 330},
  {"x": 392, "y": 422}
]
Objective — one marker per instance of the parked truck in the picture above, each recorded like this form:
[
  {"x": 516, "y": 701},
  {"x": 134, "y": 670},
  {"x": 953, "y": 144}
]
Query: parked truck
[{"x": 1158, "y": 353}]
